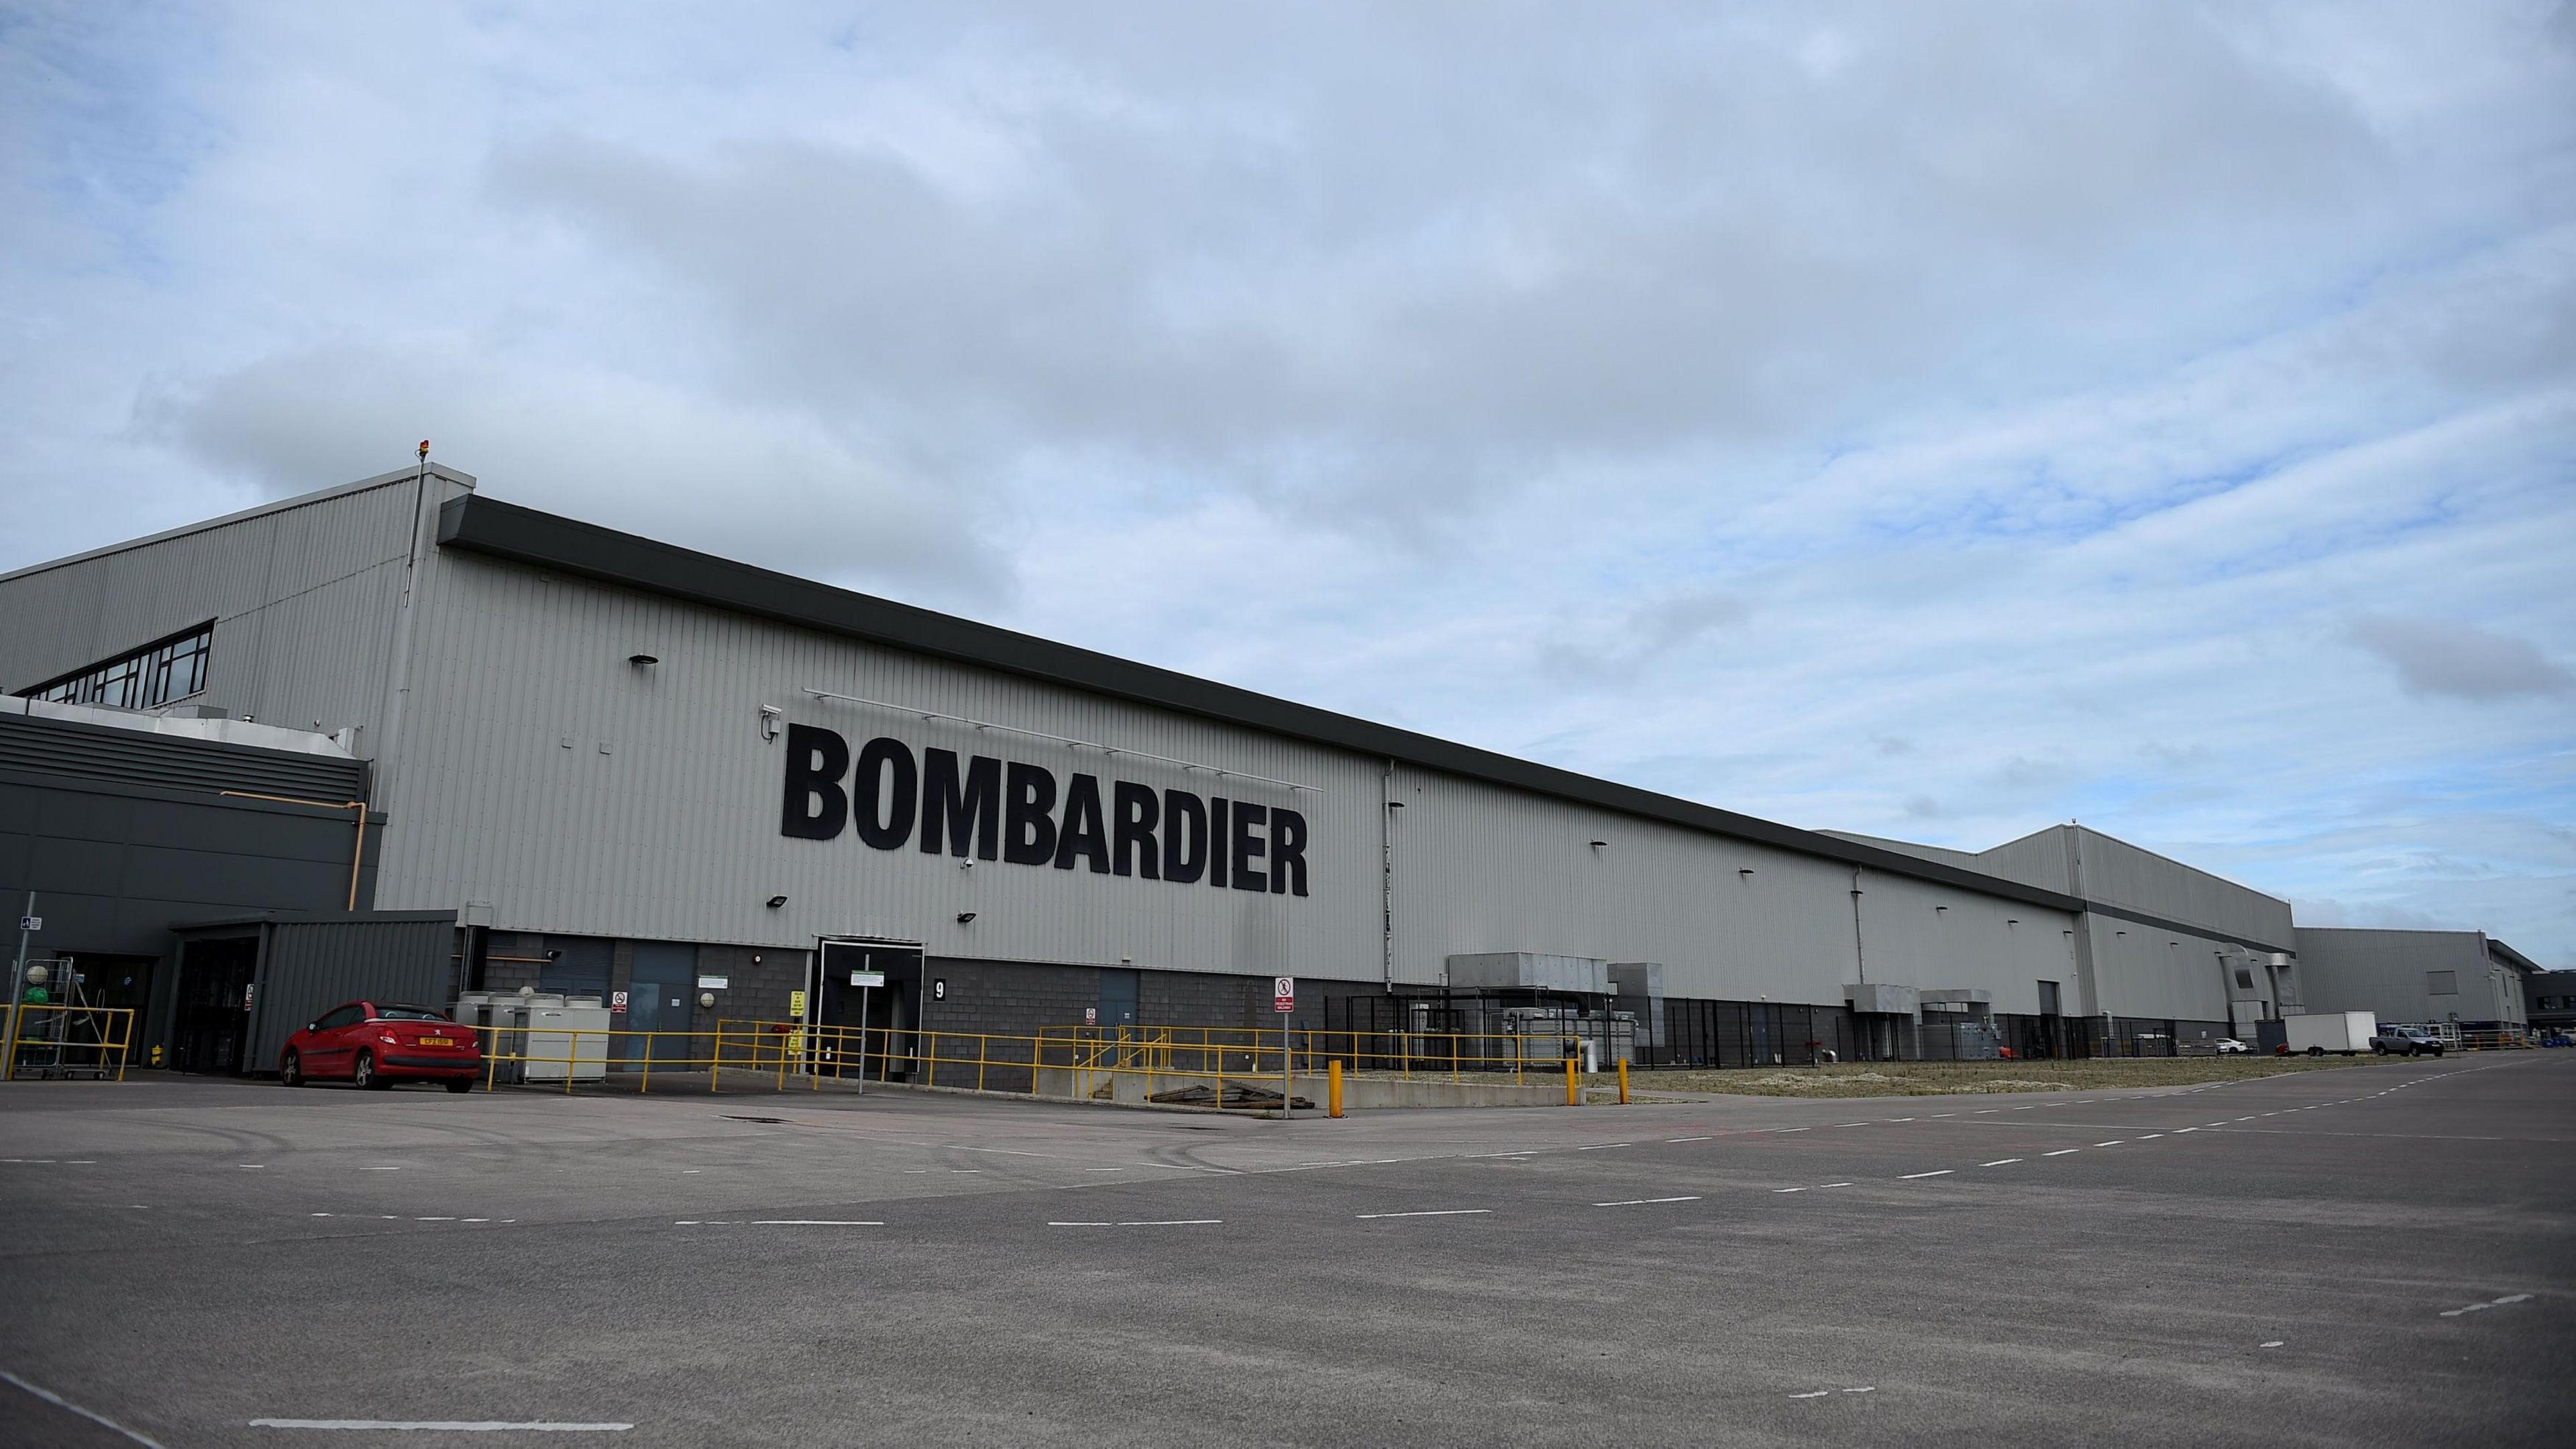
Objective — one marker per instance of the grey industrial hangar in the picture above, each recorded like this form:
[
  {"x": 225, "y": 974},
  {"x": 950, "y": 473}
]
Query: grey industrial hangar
[{"x": 629, "y": 767}]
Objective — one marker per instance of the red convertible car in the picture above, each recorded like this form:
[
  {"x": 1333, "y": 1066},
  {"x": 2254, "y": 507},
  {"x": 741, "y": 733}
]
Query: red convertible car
[{"x": 376, "y": 1044}]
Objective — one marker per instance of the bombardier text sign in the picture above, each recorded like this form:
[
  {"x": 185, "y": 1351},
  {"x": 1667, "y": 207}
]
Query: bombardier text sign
[{"x": 981, "y": 806}]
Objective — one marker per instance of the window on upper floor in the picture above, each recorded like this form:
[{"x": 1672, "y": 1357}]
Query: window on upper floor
[
  {"x": 162, "y": 672},
  {"x": 2442, "y": 983}
]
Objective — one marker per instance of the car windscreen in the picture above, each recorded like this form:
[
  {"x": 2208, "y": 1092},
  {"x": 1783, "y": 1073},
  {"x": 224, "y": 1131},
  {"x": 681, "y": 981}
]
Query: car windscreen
[{"x": 408, "y": 1013}]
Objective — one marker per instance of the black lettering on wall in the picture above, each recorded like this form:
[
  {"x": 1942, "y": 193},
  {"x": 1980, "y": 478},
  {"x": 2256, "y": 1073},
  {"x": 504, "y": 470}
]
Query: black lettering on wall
[
  {"x": 1185, "y": 837},
  {"x": 970, "y": 810},
  {"x": 1082, "y": 836},
  {"x": 1248, "y": 847},
  {"x": 880, "y": 806},
  {"x": 1028, "y": 827},
  {"x": 1131, "y": 849},
  {"x": 1216, "y": 840},
  {"x": 815, "y": 807},
  {"x": 1287, "y": 851}
]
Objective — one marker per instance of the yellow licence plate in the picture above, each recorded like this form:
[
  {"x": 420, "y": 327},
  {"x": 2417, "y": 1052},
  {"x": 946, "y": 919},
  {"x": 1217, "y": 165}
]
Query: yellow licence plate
[{"x": 437, "y": 1041}]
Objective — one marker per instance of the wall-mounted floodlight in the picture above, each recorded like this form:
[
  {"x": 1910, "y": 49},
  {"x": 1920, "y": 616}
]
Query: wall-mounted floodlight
[
  {"x": 1596, "y": 845},
  {"x": 965, "y": 916},
  {"x": 776, "y": 901},
  {"x": 1744, "y": 872},
  {"x": 2012, "y": 920},
  {"x": 641, "y": 660},
  {"x": 1394, "y": 804},
  {"x": 769, "y": 715}
]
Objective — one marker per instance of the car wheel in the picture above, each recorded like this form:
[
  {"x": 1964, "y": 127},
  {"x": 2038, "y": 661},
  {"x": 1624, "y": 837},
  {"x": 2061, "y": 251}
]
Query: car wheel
[
  {"x": 290, "y": 1070},
  {"x": 2378, "y": 1049},
  {"x": 460, "y": 1085},
  {"x": 365, "y": 1076},
  {"x": 2316, "y": 1051}
]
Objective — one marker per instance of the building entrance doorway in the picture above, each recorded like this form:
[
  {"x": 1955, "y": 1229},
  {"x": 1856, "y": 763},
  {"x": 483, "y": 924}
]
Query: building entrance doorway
[
  {"x": 890, "y": 1014},
  {"x": 210, "y": 1022},
  {"x": 658, "y": 987}
]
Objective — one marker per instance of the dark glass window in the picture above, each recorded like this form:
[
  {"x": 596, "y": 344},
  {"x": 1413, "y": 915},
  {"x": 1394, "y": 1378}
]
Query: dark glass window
[{"x": 156, "y": 674}]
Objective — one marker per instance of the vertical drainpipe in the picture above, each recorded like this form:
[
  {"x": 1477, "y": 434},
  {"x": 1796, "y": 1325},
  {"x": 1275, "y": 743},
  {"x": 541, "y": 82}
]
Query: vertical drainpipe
[
  {"x": 1386, "y": 877},
  {"x": 2088, "y": 981},
  {"x": 398, "y": 686},
  {"x": 1860, "y": 961}
]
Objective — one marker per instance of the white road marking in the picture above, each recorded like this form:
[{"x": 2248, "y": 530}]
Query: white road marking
[
  {"x": 2178, "y": 1131},
  {"x": 1432, "y": 1213},
  {"x": 1851, "y": 1124},
  {"x": 2150, "y": 1137},
  {"x": 1643, "y": 1201},
  {"x": 2061, "y": 1152},
  {"x": 969, "y": 1170},
  {"x": 2490, "y": 1303},
  {"x": 1945, "y": 1114},
  {"x": 59, "y": 1402},
  {"x": 441, "y": 1426},
  {"x": 1005, "y": 1151},
  {"x": 813, "y": 1223},
  {"x": 1121, "y": 1169},
  {"x": 1944, "y": 1172},
  {"x": 433, "y": 1220},
  {"x": 1786, "y": 1130},
  {"x": 2275, "y": 1343},
  {"x": 250, "y": 1166},
  {"x": 384, "y": 1169},
  {"x": 1981, "y": 1111},
  {"x": 1689, "y": 1139},
  {"x": 1833, "y": 1184},
  {"x": 1788, "y": 1189},
  {"x": 2000, "y": 1162},
  {"x": 2114, "y": 1142},
  {"x": 1146, "y": 1223},
  {"x": 1900, "y": 1119},
  {"x": 1818, "y": 1394},
  {"x": 1595, "y": 1147},
  {"x": 1863, "y": 1389}
]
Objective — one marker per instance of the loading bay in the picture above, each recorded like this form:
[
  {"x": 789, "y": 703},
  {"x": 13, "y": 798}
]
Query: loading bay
[{"x": 2384, "y": 1254}]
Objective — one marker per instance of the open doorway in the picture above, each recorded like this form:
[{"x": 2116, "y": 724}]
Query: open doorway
[{"x": 870, "y": 984}]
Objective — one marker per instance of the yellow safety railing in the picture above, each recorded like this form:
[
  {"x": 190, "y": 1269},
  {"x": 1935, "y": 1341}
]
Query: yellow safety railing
[
  {"x": 1189, "y": 1065},
  {"x": 53, "y": 1041},
  {"x": 1410, "y": 1055}
]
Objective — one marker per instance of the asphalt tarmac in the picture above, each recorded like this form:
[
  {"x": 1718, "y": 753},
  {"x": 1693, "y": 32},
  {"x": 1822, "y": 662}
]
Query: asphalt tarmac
[{"x": 2385, "y": 1254}]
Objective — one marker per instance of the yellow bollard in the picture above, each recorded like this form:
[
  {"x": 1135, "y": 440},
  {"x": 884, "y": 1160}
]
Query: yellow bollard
[
  {"x": 1573, "y": 1084},
  {"x": 1623, "y": 1081},
  {"x": 1333, "y": 1088}
]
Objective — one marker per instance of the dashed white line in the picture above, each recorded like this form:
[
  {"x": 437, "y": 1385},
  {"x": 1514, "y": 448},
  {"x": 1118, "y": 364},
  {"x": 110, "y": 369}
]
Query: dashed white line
[
  {"x": 1431, "y": 1213},
  {"x": 1690, "y": 1139},
  {"x": 2000, "y": 1162},
  {"x": 2490, "y": 1303},
  {"x": 1643, "y": 1201},
  {"x": 1146, "y": 1223},
  {"x": 814, "y": 1223},
  {"x": 1788, "y": 1189},
  {"x": 2150, "y": 1137},
  {"x": 441, "y": 1426},
  {"x": 2061, "y": 1152},
  {"x": 1833, "y": 1184},
  {"x": 1943, "y": 1172},
  {"x": 2114, "y": 1142}
]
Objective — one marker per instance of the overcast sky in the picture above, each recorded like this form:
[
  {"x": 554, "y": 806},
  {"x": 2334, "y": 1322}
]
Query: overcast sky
[{"x": 1927, "y": 420}]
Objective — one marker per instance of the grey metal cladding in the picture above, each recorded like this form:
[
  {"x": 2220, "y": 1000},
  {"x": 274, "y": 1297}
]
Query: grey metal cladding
[
  {"x": 311, "y": 966},
  {"x": 100, "y": 752},
  {"x": 544, "y": 540}
]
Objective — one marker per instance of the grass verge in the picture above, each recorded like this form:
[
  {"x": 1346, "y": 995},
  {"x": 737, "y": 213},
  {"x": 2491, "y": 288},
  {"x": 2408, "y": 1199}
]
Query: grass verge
[{"x": 1940, "y": 1079}]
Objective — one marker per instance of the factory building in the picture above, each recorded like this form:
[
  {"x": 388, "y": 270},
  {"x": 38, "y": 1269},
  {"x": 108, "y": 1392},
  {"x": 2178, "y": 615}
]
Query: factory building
[
  {"x": 690, "y": 785},
  {"x": 2461, "y": 979}
]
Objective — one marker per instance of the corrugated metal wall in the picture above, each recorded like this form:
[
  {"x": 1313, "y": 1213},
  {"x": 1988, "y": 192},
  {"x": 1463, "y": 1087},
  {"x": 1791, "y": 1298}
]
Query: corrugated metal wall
[
  {"x": 584, "y": 795},
  {"x": 308, "y": 967},
  {"x": 101, "y": 752},
  {"x": 303, "y": 597}
]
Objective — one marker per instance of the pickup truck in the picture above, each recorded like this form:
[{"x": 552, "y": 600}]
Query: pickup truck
[{"x": 2411, "y": 1041}]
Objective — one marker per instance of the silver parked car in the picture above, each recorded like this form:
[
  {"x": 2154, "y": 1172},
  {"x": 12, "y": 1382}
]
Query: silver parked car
[{"x": 2411, "y": 1041}]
